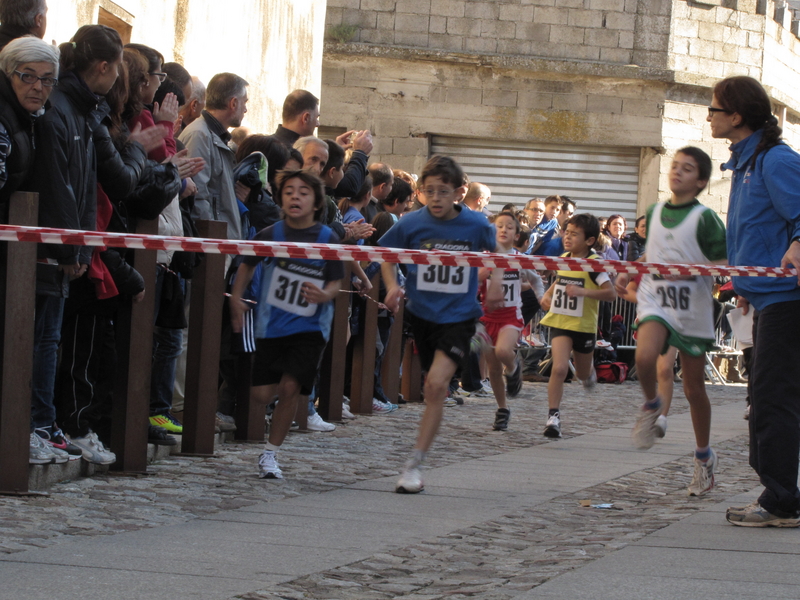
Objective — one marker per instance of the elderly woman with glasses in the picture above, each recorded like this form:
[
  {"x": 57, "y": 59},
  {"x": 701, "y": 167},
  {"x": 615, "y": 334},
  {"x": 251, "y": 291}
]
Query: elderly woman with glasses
[{"x": 28, "y": 73}]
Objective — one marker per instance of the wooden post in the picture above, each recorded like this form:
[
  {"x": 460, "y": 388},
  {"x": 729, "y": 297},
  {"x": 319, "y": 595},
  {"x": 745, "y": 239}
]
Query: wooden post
[
  {"x": 331, "y": 380},
  {"x": 363, "y": 374},
  {"x": 134, "y": 332},
  {"x": 18, "y": 303},
  {"x": 202, "y": 360},
  {"x": 250, "y": 423},
  {"x": 390, "y": 370}
]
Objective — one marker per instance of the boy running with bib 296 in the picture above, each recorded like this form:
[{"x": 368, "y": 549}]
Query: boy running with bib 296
[
  {"x": 678, "y": 310},
  {"x": 443, "y": 301},
  {"x": 572, "y": 303}
]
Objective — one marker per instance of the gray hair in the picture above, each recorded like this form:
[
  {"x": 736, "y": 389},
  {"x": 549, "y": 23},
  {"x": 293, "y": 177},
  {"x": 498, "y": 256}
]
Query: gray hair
[
  {"x": 28, "y": 49},
  {"x": 198, "y": 90},
  {"x": 21, "y": 13},
  {"x": 300, "y": 145},
  {"x": 223, "y": 87}
]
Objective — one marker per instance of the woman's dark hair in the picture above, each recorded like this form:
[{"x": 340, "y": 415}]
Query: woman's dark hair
[
  {"x": 117, "y": 98},
  {"x": 509, "y": 208},
  {"x": 524, "y": 237},
  {"x": 361, "y": 195},
  {"x": 296, "y": 155},
  {"x": 90, "y": 44},
  {"x": 382, "y": 222},
  {"x": 311, "y": 180},
  {"x": 136, "y": 66},
  {"x": 748, "y": 98},
  {"x": 276, "y": 153},
  {"x": 703, "y": 161},
  {"x": 154, "y": 58},
  {"x": 177, "y": 73},
  {"x": 169, "y": 87}
]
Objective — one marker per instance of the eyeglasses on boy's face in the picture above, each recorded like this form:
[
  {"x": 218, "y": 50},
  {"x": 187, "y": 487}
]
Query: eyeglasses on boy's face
[
  {"x": 161, "y": 76},
  {"x": 30, "y": 79},
  {"x": 431, "y": 193},
  {"x": 714, "y": 109}
]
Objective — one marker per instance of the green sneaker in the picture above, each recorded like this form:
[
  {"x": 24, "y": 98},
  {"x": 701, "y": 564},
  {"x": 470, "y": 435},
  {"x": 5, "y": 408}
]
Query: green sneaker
[{"x": 168, "y": 422}]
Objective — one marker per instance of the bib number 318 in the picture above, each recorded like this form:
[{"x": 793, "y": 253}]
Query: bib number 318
[{"x": 443, "y": 279}]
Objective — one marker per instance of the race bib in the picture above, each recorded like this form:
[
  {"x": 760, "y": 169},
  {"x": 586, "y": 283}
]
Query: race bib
[
  {"x": 566, "y": 305},
  {"x": 286, "y": 283},
  {"x": 441, "y": 278},
  {"x": 671, "y": 294},
  {"x": 512, "y": 289}
]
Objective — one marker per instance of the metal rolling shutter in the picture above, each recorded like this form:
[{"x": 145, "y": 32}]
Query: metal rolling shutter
[{"x": 601, "y": 180}]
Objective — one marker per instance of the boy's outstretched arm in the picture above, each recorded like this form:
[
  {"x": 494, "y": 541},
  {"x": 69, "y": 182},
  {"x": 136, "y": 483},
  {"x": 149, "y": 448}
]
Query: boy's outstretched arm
[
  {"x": 606, "y": 292},
  {"x": 393, "y": 290}
]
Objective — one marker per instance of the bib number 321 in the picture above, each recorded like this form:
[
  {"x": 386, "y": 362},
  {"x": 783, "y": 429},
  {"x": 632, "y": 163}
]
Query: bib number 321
[{"x": 443, "y": 279}]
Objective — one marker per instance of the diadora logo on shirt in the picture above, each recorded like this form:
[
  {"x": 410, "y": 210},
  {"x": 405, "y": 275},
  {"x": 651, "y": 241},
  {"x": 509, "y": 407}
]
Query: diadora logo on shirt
[{"x": 448, "y": 245}]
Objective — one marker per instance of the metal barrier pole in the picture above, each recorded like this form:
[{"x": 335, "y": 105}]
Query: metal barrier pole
[
  {"x": 18, "y": 302},
  {"x": 331, "y": 378},
  {"x": 363, "y": 374},
  {"x": 202, "y": 360},
  {"x": 134, "y": 333},
  {"x": 390, "y": 371}
]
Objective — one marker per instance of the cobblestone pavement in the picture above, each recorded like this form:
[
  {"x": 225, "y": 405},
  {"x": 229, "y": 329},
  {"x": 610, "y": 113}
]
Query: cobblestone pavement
[{"x": 494, "y": 559}]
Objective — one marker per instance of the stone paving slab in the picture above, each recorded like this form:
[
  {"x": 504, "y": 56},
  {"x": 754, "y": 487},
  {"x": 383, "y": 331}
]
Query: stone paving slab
[{"x": 334, "y": 529}]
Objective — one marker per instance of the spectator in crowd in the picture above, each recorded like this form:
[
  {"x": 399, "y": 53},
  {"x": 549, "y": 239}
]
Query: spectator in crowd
[
  {"x": 22, "y": 17},
  {"x": 207, "y": 138},
  {"x": 638, "y": 239},
  {"x": 399, "y": 199},
  {"x": 567, "y": 210},
  {"x": 181, "y": 77},
  {"x": 382, "y": 180},
  {"x": 477, "y": 197},
  {"x": 615, "y": 229},
  {"x": 64, "y": 175},
  {"x": 766, "y": 175},
  {"x": 195, "y": 103},
  {"x": 300, "y": 117},
  {"x": 28, "y": 74}
]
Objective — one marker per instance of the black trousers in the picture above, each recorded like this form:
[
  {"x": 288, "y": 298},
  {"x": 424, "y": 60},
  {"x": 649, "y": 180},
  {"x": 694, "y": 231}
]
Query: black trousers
[{"x": 775, "y": 406}]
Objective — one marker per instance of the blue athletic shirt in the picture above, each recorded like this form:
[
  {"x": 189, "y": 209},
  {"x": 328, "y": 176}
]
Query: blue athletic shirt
[
  {"x": 437, "y": 293},
  {"x": 281, "y": 310}
]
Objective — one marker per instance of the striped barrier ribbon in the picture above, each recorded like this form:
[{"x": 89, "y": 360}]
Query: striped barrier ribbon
[{"x": 19, "y": 233}]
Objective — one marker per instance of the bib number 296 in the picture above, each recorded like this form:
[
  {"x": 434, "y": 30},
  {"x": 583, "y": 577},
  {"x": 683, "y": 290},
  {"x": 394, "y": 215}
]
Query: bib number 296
[
  {"x": 443, "y": 279},
  {"x": 676, "y": 298}
]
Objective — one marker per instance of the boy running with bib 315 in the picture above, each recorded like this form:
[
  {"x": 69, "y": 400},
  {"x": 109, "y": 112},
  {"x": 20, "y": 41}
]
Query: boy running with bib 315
[
  {"x": 572, "y": 303},
  {"x": 294, "y": 311},
  {"x": 443, "y": 301},
  {"x": 678, "y": 311}
]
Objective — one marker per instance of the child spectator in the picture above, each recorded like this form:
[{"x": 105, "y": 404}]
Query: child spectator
[
  {"x": 442, "y": 301},
  {"x": 571, "y": 303},
  {"x": 678, "y": 311},
  {"x": 295, "y": 309}
]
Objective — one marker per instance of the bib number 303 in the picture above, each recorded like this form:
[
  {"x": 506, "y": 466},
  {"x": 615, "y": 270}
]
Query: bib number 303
[{"x": 443, "y": 279}]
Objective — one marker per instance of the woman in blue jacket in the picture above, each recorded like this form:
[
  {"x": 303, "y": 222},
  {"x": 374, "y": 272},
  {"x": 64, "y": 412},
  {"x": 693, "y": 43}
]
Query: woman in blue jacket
[{"x": 764, "y": 229}]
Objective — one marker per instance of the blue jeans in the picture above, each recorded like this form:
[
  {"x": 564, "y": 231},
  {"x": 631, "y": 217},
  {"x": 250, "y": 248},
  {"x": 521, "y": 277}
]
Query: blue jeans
[
  {"x": 167, "y": 347},
  {"x": 47, "y": 334}
]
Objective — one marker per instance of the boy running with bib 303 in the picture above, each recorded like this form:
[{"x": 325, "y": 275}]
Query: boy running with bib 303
[
  {"x": 678, "y": 310},
  {"x": 294, "y": 311},
  {"x": 572, "y": 303},
  {"x": 443, "y": 301}
]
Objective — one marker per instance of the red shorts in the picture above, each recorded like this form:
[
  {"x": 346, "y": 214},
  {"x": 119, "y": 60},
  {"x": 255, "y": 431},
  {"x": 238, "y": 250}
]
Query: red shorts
[{"x": 493, "y": 328}]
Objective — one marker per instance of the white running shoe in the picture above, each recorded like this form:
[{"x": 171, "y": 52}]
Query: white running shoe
[
  {"x": 268, "y": 466},
  {"x": 315, "y": 423},
  {"x": 644, "y": 431},
  {"x": 410, "y": 482},
  {"x": 661, "y": 426},
  {"x": 41, "y": 453},
  {"x": 346, "y": 414},
  {"x": 382, "y": 408},
  {"x": 93, "y": 449},
  {"x": 552, "y": 428},
  {"x": 590, "y": 383},
  {"x": 703, "y": 477}
]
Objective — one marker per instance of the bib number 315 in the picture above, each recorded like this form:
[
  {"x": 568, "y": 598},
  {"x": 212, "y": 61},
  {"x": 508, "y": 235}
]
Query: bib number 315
[{"x": 443, "y": 279}]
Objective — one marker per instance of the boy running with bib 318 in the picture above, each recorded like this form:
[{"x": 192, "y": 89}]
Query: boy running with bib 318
[
  {"x": 443, "y": 301},
  {"x": 678, "y": 311}
]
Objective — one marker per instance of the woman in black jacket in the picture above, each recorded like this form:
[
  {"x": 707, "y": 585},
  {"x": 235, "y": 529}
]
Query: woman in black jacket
[{"x": 65, "y": 176}]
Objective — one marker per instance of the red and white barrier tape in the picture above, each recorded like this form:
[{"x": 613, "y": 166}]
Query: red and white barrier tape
[{"x": 14, "y": 233}]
